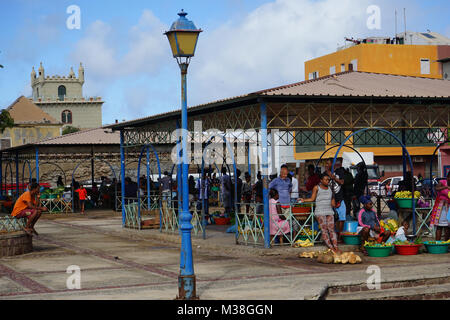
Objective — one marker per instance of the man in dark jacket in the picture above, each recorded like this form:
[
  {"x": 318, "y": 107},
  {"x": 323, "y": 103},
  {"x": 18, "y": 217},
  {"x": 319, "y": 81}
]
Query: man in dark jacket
[{"x": 361, "y": 180}]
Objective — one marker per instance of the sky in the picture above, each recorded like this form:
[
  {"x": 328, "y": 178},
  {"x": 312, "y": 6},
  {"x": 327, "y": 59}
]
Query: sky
[{"x": 245, "y": 46}]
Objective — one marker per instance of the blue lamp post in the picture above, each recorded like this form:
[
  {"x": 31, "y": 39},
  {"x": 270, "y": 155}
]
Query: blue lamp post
[{"x": 183, "y": 36}]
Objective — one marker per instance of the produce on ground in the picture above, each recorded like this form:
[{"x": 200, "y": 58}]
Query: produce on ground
[
  {"x": 303, "y": 243},
  {"x": 329, "y": 257}
]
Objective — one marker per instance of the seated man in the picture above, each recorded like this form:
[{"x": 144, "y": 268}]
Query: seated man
[
  {"x": 369, "y": 225},
  {"x": 27, "y": 207}
]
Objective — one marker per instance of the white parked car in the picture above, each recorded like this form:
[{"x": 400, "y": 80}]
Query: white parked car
[{"x": 390, "y": 185}]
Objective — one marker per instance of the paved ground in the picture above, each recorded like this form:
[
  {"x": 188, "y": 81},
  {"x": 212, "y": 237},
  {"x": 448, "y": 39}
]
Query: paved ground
[{"x": 118, "y": 263}]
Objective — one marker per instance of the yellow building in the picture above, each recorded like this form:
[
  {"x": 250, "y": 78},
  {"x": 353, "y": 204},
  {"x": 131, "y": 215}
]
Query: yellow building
[
  {"x": 407, "y": 60},
  {"x": 31, "y": 124}
]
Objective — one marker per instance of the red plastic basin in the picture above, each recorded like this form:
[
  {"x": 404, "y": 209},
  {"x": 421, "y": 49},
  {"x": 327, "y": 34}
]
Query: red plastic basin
[
  {"x": 222, "y": 221},
  {"x": 407, "y": 250}
]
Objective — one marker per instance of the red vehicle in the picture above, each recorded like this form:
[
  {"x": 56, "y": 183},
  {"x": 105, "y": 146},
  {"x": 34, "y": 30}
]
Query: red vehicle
[{"x": 11, "y": 187}]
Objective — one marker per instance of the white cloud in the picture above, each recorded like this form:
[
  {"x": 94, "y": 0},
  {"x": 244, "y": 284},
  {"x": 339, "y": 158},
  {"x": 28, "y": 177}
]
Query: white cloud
[
  {"x": 100, "y": 48},
  {"x": 269, "y": 47}
]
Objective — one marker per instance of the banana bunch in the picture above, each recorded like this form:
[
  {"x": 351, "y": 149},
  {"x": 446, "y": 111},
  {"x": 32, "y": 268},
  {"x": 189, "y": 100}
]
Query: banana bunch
[
  {"x": 376, "y": 244},
  {"x": 303, "y": 243},
  {"x": 407, "y": 194},
  {"x": 308, "y": 232}
]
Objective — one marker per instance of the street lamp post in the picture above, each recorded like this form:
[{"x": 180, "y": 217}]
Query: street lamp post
[{"x": 183, "y": 36}]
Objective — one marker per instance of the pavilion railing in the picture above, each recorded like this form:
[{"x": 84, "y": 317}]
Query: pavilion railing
[
  {"x": 169, "y": 217},
  {"x": 250, "y": 225},
  {"x": 11, "y": 224}
]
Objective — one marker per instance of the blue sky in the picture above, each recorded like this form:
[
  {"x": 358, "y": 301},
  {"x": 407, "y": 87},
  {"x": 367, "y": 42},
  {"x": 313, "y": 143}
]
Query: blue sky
[{"x": 247, "y": 45}]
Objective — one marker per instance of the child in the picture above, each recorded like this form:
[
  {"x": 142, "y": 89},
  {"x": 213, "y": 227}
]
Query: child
[
  {"x": 278, "y": 225},
  {"x": 82, "y": 194},
  {"x": 400, "y": 235},
  {"x": 369, "y": 225}
]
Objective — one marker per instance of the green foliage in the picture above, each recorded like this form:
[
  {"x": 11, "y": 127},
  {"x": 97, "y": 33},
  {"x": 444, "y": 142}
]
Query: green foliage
[
  {"x": 5, "y": 120},
  {"x": 70, "y": 129}
]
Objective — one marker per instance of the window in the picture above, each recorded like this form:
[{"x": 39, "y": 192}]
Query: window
[
  {"x": 313, "y": 75},
  {"x": 332, "y": 69},
  {"x": 5, "y": 143},
  {"x": 61, "y": 93},
  {"x": 37, "y": 91},
  {"x": 66, "y": 116},
  {"x": 355, "y": 64},
  {"x": 343, "y": 67},
  {"x": 429, "y": 36},
  {"x": 425, "y": 66}
]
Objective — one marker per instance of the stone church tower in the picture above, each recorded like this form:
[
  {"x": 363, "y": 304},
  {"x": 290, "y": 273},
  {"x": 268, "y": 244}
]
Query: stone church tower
[{"x": 62, "y": 98}]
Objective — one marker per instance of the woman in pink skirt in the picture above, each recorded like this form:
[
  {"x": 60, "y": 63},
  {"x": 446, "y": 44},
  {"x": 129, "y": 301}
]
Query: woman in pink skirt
[{"x": 279, "y": 225}]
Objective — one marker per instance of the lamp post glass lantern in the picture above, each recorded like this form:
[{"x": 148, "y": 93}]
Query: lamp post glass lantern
[{"x": 183, "y": 36}]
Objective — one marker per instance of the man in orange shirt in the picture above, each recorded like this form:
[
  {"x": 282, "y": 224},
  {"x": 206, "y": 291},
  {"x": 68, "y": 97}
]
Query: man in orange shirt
[{"x": 26, "y": 207}]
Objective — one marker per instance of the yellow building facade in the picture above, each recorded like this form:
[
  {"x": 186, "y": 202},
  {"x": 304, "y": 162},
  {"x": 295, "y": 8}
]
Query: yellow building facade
[
  {"x": 31, "y": 124},
  {"x": 407, "y": 60}
]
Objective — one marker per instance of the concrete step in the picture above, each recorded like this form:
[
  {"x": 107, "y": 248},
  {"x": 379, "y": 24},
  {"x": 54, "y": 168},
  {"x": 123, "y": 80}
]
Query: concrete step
[
  {"x": 414, "y": 293},
  {"x": 431, "y": 288}
]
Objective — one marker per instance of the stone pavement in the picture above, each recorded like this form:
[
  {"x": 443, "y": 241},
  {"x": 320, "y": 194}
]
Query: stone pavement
[{"x": 119, "y": 263}]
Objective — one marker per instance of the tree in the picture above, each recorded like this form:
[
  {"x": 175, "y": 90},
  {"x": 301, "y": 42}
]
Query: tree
[
  {"x": 5, "y": 120},
  {"x": 70, "y": 129}
]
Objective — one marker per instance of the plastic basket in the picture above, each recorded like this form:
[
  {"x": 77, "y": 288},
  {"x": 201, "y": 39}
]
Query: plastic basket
[
  {"x": 436, "y": 248},
  {"x": 405, "y": 203},
  {"x": 222, "y": 221},
  {"x": 407, "y": 250},
  {"x": 301, "y": 209},
  {"x": 351, "y": 239},
  {"x": 378, "y": 252}
]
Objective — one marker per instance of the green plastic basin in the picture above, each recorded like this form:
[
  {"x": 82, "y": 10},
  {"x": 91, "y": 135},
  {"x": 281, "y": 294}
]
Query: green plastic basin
[
  {"x": 352, "y": 240},
  {"x": 378, "y": 252},
  {"x": 436, "y": 248}
]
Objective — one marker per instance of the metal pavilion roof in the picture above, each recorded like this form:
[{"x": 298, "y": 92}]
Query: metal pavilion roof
[{"x": 350, "y": 84}]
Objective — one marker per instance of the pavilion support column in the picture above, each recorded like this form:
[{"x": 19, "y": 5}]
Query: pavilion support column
[
  {"x": 249, "y": 166},
  {"x": 92, "y": 167},
  {"x": 17, "y": 174},
  {"x": 37, "y": 164},
  {"x": 265, "y": 173},
  {"x": 122, "y": 176},
  {"x": 148, "y": 179},
  {"x": 404, "y": 153},
  {"x": 1, "y": 175}
]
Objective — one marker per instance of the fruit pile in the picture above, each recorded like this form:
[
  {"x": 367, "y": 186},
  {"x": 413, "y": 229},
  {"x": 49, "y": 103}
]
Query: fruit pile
[
  {"x": 439, "y": 242},
  {"x": 407, "y": 195},
  {"x": 308, "y": 232},
  {"x": 389, "y": 224},
  {"x": 329, "y": 257},
  {"x": 376, "y": 244},
  {"x": 303, "y": 243}
]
